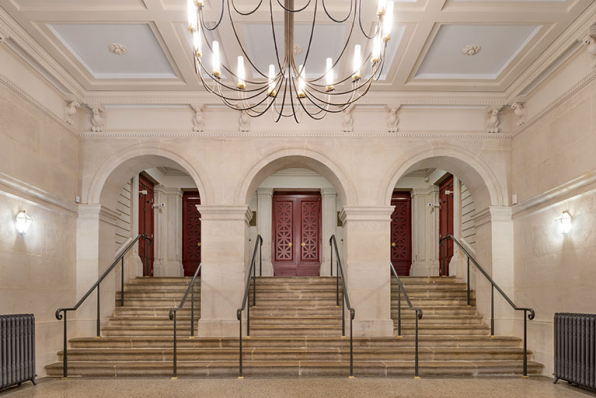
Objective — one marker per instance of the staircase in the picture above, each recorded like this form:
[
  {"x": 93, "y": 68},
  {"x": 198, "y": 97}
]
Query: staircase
[{"x": 295, "y": 331}]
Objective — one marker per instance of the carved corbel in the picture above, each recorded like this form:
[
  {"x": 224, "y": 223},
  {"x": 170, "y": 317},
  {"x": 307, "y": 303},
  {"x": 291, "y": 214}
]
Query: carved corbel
[
  {"x": 70, "y": 110},
  {"x": 347, "y": 120},
  {"x": 492, "y": 121},
  {"x": 199, "y": 118},
  {"x": 590, "y": 42},
  {"x": 97, "y": 120},
  {"x": 392, "y": 118},
  {"x": 520, "y": 111},
  {"x": 244, "y": 122}
]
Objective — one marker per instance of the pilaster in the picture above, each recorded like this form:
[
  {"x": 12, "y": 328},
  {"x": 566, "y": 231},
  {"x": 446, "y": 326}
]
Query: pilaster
[
  {"x": 223, "y": 274},
  {"x": 329, "y": 227},
  {"x": 168, "y": 234},
  {"x": 365, "y": 257},
  {"x": 264, "y": 226},
  {"x": 425, "y": 232}
]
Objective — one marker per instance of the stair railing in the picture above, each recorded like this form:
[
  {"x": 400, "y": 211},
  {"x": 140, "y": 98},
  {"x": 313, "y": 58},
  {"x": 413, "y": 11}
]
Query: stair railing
[
  {"x": 345, "y": 300},
  {"x": 119, "y": 260},
  {"x": 528, "y": 312},
  {"x": 251, "y": 278},
  {"x": 174, "y": 311},
  {"x": 401, "y": 289}
]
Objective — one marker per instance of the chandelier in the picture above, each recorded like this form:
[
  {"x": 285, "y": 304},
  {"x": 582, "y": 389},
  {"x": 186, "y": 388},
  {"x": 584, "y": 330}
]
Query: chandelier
[{"x": 285, "y": 89}]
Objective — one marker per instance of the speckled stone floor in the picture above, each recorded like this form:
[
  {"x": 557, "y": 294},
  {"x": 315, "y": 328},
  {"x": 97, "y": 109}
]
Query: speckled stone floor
[{"x": 311, "y": 388}]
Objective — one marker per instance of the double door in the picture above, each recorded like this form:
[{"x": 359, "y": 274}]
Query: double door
[
  {"x": 401, "y": 232},
  {"x": 296, "y": 234},
  {"x": 446, "y": 223},
  {"x": 146, "y": 226}
]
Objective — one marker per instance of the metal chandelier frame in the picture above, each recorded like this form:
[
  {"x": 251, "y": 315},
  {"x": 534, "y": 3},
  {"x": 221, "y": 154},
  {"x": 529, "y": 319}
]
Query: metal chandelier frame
[{"x": 287, "y": 91}]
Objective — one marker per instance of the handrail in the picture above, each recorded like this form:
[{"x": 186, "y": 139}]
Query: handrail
[
  {"x": 345, "y": 301},
  {"x": 59, "y": 316},
  {"x": 418, "y": 314},
  {"x": 174, "y": 312},
  {"x": 529, "y": 313},
  {"x": 251, "y": 276}
]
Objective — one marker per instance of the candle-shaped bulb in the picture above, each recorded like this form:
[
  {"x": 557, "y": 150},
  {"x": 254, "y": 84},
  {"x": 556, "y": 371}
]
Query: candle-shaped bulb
[
  {"x": 241, "y": 73},
  {"x": 381, "y": 7},
  {"x": 271, "y": 90},
  {"x": 388, "y": 21},
  {"x": 329, "y": 74},
  {"x": 376, "y": 51},
  {"x": 301, "y": 82},
  {"x": 357, "y": 62},
  {"x": 196, "y": 42},
  {"x": 216, "y": 64},
  {"x": 192, "y": 15}
]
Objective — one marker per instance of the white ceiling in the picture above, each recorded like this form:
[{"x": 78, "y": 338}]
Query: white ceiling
[{"x": 424, "y": 53}]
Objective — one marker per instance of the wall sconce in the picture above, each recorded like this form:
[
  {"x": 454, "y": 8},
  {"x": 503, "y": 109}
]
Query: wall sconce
[
  {"x": 23, "y": 222},
  {"x": 564, "y": 222}
]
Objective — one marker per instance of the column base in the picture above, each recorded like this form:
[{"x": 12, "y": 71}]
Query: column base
[
  {"x": 371, "y": 328},
  {"x": 219, "y": 328},
  {"x": 425, "y": 268},
  {"x": 170, "y": 268}
]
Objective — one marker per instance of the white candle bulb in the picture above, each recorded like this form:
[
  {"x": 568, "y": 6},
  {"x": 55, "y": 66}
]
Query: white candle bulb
[
  {"x": 388, "y": 21},
  {"x": 241, "y": 74},
  {"x": 192, "y": 15},
  {"x": 329, "y": 73},
  {"x": 271, "y": 90},
  {"x": 357, "y": 62},
  {"x": 196, "y": 41},
  {"x": 216, "y": 65}
]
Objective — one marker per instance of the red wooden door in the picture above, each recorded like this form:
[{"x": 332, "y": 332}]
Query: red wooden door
[
  {"x": 191, "y": 233},
  {"x": 446, "y": 223},
  {"x": 296, "y": 234},
  {"x": 401, "y": 233},
  {"x": 146, "y": 200}
]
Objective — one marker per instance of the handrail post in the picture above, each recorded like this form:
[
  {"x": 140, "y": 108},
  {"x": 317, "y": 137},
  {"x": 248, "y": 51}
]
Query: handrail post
[
  {"x": 175, "y": 349},
  {"x": 122, "y": 284},
  {"x": 98, "y": 312},
  {"x": 351, "y": 347},
  {"x": 399, "y": 310},
  {"x": 254, "y": 286},
  {"x": 65, "y": 356},
  {"x": 331, "y": 260},
  {"x": 525, "y": 374},
  {"x": 343, "y": 313},
  {"x": 444, "y": 257},
  {"x": 248, "y": 319},
  {"x": 416, "y": 375},
  {"x": 192, "y": 310},
  {"x": 240, "y": 354},
  {"x": 337, "y": 285},
  {"x": 492, "y": 310},
  {"x": 261, "y": 258},
  {"x": 469, "y": 282}
]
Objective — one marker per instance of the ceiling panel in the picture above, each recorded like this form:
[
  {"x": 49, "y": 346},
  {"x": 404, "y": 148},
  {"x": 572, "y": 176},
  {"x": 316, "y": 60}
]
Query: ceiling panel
[
  {"x": 81, "y": 4},
  {"x": 499, "y": 45}
]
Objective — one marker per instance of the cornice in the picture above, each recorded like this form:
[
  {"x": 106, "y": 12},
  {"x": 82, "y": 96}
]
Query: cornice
[
  {"x": 366, "y": 213},
  {"x": 564, "y": 97},
  {"x": 225, "y": 213},
  {"x": 293, "y": 134},
  {"x": 38, "y": 105},
  {"x": 492, "y": 214},
  {"x": 578, "y": 30},
  {"x": 39, "y": 195},
  {"x": 575, "y": 187}
]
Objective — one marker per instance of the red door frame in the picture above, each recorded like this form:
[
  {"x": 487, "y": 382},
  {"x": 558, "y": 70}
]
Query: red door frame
[
  {"x": 191, "y": 232},
  {"x": 146, "y": 222},
  {"x": 401, "y": 232},
  {"x": 446, "y": 222},
  {"x": 296, "y": 245}
]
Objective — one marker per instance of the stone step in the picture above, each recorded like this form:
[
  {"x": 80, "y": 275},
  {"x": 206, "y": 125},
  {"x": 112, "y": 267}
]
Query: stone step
[
  {"x": 134, "y": 321},
  {"x": 434, "y": 294},
  {"x": 290, "y": 321},
  {"x": 289, "y": 302},
  {"x": 156, "y": 303},
  {"x": 160, "y": 286},
  {"x": 156, "y": 295},
  {"x": 407, "y": 319},
  {"x": 152, "y": 311},
  {"x": 287, "y": 342},
  {"x": 432, "y": 302},
  {"x": 295, "y": 354},
  {"x": 144, "y": 330},
  {"x": 436, "y": 310},
  {"x": 293, "y": 368},
  {"x": 298, "y": 280},
  {"x": 295, "y": 311}
]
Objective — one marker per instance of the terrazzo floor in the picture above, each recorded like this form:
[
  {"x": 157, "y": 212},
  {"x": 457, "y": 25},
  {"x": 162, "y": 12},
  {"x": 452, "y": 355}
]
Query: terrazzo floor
[{"x": 311, "y": 388}]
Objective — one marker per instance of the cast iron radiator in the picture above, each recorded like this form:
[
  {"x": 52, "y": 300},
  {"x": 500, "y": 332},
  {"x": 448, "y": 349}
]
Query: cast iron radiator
[
  {"x": 17, "y": 349},
  {"x": 575, "y": 349}
]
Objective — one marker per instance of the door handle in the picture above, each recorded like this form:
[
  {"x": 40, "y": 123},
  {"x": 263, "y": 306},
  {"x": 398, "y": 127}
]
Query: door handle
[
  {"x": 303, "y": 244},
  {"x": 393, "y": 244},
  {"x": 290, "y": 245},
  {"x": 199, "y": 244}
]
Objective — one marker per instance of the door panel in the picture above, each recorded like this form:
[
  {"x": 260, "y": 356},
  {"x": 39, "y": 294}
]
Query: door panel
[
  {"x": 191, "y": 233},
  {"x": 401, "y": 233},
  {"x": 146, "y": 217},
  {"x": 296, "y": 234},
  {"x": 446, "y": 223}
]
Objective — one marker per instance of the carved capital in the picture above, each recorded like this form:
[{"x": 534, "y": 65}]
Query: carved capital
[{"x": 520, "y": 111}]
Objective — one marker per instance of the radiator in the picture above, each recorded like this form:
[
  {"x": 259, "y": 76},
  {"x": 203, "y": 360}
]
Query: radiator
[
  {"x": 17, "y": 349},
  {"x": 575, "y": 349}
]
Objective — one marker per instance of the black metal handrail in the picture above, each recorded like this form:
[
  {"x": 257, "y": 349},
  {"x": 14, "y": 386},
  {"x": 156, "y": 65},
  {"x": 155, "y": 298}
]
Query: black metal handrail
[
  {"x": 251, "y": 276},
  {"x": 174, "y": 311},
  {"x": 345, "y": 300},
  {"x": 401, "y": 289},
  {"x": 119, "y": 259},
  {"x": 528, "y": 312}
]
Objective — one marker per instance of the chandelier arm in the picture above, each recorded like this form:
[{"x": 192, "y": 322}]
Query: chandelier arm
[
  {"x": 283, "y": 102},
  {"x": 297, "y": 10},
  {"x": 233, "y": 104},
  {"x": 312, "y": 31},
  {"x": 219, "y": 81},
  {"x": 245, "y": 14},
  {"x": 292, "y": 84},
  {"x": 367, "y": 83},
  {"x": 338, "y": 20},
  {"x": 202, "y": 18},
  {"x": 343, "y": 50},
  {"x": 274, "y": 36},
  {"x": 377, "y": 29},
  {"x": 349, "y": 77}
]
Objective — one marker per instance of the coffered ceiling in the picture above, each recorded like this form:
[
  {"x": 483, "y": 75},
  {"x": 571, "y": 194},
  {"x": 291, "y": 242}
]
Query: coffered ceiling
[{"x": 444, "y": 46}]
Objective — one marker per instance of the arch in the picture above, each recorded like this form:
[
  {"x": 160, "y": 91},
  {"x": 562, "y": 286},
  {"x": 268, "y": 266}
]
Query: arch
[
  {"x": 120, "y": 167},
  {"x": 287, "y": 158},
  {"x": 467, "y": 166}
]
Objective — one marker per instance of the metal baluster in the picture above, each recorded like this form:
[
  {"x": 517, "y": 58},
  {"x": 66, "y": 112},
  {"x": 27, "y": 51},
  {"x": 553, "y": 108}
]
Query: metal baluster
[
  {"x": 175, "y": 349},
  {"x": 98, "y": 311},
  {"x": 261, "y": 258},
  {"x": 351, "y": 349},
  {"x": 444, "y": 256},
  {"x": 399, "y": 309},
  {"x": 525, "y": 375},
  {"x": 492, "y": 310},
  {"x": 337, "y": 284},
  {"x": 122, "y": 284},
  {"x": 331, "y": 262},
  {"x": 416, "y": 375},
  {"x": 65, "y": 356},
  {"x": 192, "y": 310},
  {"x": 240, "y": 354},
  {"x": 343, "y": 312},
  {"x": 469, "y": 282},
  {"x": 248, "y": 319},
  {"x": 254, "y": 285}
]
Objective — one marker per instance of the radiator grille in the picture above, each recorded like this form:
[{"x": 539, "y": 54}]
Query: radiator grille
[
  {"x": 575, "y": 349},
  {"x": 17, "y": 349}
]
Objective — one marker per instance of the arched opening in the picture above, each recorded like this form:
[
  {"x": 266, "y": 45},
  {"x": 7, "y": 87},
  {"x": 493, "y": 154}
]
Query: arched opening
[{"x": 296, "y": 199}]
